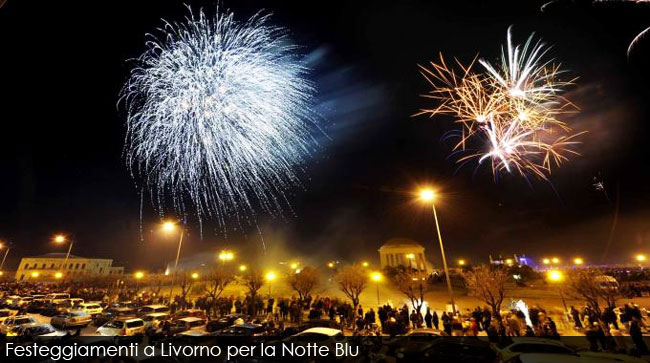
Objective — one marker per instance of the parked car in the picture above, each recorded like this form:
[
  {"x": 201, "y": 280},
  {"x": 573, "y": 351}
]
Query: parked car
[
  {"x": 37, "y": 329},
  {"x": 52, "y": 309},
  {"x": 9, "y": 324},
  {"x": 20, "y": 302},
  {"x": 111, "y": 314},
  {"x": 125, "y": 304},
  {"x": 226, "y": 321},
  {"x": 9, "y": 300},
  {"x": 92, "y": 308},
  {"x": 57, "y": 296},
  {"x": 243, "y": 330},
  {"x": 36, "y": 306},
  {"x": 72, "y": 319},
  {"x": 186, "y": 324},
  {"x": 152, "y": 320},
  {"x": 150, "y": 309},
  {"x": 4, "y": 314},
  {"x": 75, "y": 301},
  {"x": 459, "y": 349},
  {"x": 190, "y": 313},
  {"x": 122, "y": 327},
  {"x": 314, "y": 333}
]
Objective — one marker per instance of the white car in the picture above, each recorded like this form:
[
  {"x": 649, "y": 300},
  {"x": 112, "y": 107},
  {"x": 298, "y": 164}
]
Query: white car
[
  {"x": 122, "y": 327},
  {"x": 152, "y": 320},
  {"x": 10, "y": 324},
  {"x": 150, "y": 309},
  {"x": 38, "y": 330},
  {"x": 320, "y": 332},
  {"x": 57, "y": 296},
  {"x": 90, "y": 308}
]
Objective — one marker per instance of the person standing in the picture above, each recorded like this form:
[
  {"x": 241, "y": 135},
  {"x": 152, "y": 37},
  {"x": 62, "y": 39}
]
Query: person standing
[
  {"x": 435, "y": 320},
  {"x": 428, "y": 318}
]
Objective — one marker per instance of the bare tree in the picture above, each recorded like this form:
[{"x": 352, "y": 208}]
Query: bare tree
[
  {"x": 216, "y": 281},
  {"x": 487, "y": 284},
  {"x": 253, "y": 280},
  {"x": 587, "y": 285},
  {"x": 186, "y": 281},
  {"x": 304, "y": 282},
  {"x": 413, "y": 285},
  {"x": 352, "y": 281}
]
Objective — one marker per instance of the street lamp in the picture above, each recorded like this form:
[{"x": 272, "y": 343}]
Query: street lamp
[
  {"x": 169, "y": 227},
  {"x": 461, "y": 262},
  {"x": 555, "y": 260},
  {"x": 556, "y": 276},
  {"x": 428, "y": 195},
  {"x": 640, "y": 258},
  {"x": 226, "y": 255},
  {"x": 270, "y": 276},
  {"x": 58, "y": 275},
  {"x": 376, "y": 277},
  {"x": 578, "y": 261},
  {"x": 330, "y": 264},
  {"x": 546, "y": 261},
  {"x": 294, "y": 266},
  {"x": 365, "y": 264},
  {"x": 59, "y": 238},
  {"x": 242, "y": 268},
  {"x": 195, "y": 275}
]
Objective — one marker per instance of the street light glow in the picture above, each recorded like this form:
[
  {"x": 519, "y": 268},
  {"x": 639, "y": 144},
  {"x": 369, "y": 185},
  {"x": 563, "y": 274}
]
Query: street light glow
[
  {"x": 555, "y": 275},
  {"x": 546, "y": 261},
  {"x": 461, "y": 262},
  {"x": 427, "y": 194},
  {"x": 509, "y": 262},
  {"x": 376, "y": 276},
  {"x": 139, "y": 274},
  {"x": 226, "y": 255},
  {"x": 365, "y": 264},
  {"x": 168, "y": 226},
  {"x": 195, "y": 275},
  {"x": 330, "y": 265},
  {"x": 294, "y": 266},
  {"x": 578, "y": 261},
  {"x": 242, "y": 268},
  {"x": 270, "y": 276},
  {"x": 35, "y": 274},
  {"x": 555, "y": 260},
  {"x": 59, "y": 238},
  {"x": 58, "y": 275},
  {"x": 640, "y": 257}
]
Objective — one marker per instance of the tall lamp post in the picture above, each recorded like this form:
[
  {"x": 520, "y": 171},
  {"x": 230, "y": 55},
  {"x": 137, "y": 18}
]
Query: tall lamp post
[
  {"x": 169, "y": 227},
  {"x": 429, "y": 195},
  {"x": 557, "y": 277},
  {"x": 60, "y": 239},
  {"x": 7, "y": 247},
  {"x": 376, "y": 277}
]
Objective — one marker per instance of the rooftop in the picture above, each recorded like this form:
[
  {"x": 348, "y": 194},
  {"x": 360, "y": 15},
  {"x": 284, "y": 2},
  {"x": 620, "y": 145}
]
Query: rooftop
[{"x": 401, "y": 242}]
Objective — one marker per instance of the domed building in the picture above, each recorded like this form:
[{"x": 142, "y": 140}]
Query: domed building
[{"x": 403, "y": 252}]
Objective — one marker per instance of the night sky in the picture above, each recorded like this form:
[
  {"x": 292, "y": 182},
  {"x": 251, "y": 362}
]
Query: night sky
[{"x": 62, "y": 65}]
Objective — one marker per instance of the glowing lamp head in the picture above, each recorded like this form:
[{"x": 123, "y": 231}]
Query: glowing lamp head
[
  {"x": 1, "y": 273},
  {"x": 427, "y": 194},
  {"x": 168, "y": 226},
  {"x": 640, "y": 258},
  {"x": 509, "y": 262},
  {"x": 365, "y": 264},
  {"x": 270, "y": 276},
  {"x": 138, "y": 275},
  {"x": 330, "y": 265},
  {"x": 35, "y": 274},
  {"x": 376, "y": 276},
  {"x": 578, "y": 261},
  {"x": 59, "y": 238},
  {"x": 195, "y": 275},
  {"x": 546, "y": 261},
  {"x": 461, "y": 262},
  {"x": 242, "y": 268},
  {"x": 58, "y": 275},
  {"x": 294, "y": 266},
  {"x": 555, "y": 275},
  {"x": 555, "y": 260}
]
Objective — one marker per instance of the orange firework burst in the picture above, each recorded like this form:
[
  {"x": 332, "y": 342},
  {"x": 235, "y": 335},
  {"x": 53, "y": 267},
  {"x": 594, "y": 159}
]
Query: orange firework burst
[{"x": 513, "y": 109}]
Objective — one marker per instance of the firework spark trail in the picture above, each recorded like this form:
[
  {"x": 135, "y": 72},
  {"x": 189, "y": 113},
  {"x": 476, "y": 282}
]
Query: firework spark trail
[
  {"x": 219, "y": 117},
  {"x": 512, "y": 110}
]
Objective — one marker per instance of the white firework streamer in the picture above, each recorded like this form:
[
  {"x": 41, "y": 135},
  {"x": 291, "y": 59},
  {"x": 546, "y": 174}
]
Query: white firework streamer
[{"x": 219, "y": 114}]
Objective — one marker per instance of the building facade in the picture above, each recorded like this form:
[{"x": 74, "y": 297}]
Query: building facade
[
  {"x": 46, "y": 267},
  {"x": 403, "y": 252}
]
